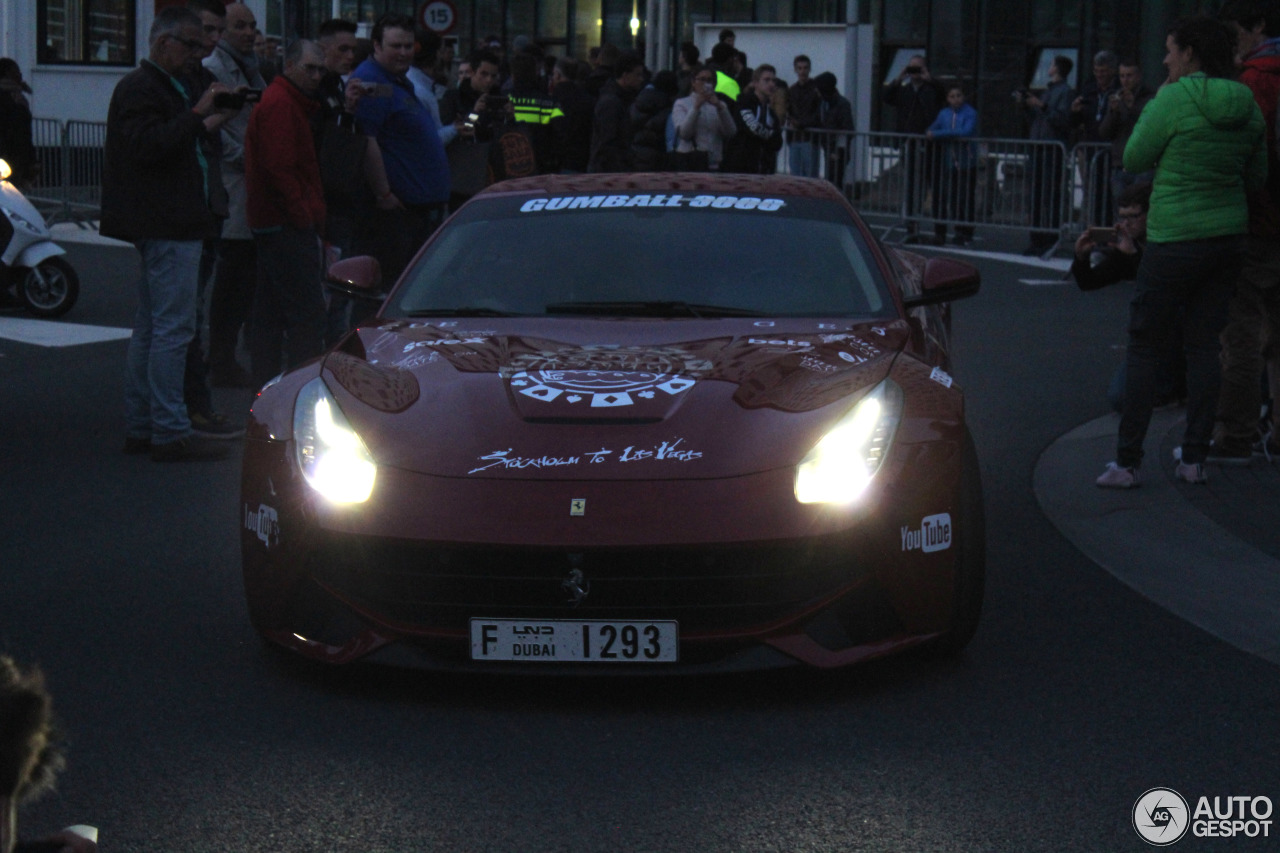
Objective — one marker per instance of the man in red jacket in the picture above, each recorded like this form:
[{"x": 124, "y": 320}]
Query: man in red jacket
[
  {"x": 1254, "y": 312},
  {"x": 286, "y": 214}
]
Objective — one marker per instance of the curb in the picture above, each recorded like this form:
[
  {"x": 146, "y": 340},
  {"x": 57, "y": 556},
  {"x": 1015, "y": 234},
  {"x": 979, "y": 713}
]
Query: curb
[{"x": 1156, "y": 542}]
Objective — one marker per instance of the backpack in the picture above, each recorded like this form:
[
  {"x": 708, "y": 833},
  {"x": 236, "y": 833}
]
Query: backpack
[{"x": 512, "y": 153}]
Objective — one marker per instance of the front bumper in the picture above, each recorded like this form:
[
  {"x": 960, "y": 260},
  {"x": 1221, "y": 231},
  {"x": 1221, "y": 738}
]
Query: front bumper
[{"x": 753, "y": 583}]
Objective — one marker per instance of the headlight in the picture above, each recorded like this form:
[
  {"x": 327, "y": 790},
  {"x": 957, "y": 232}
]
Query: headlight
[
  {"x": 332, "y": 457},
  {"x": 840, "y": 466}
]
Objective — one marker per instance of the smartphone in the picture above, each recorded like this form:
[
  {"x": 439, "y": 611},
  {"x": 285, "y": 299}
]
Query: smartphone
[
  {"x": 228, "y": 100},
  {"x": 1102, "y": 236}
]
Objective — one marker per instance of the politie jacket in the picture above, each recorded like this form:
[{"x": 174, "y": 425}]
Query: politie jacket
[
  {"x": 1204, "y": 137},
  {"x": 155, "y": 183},
  {"x": 282, "y": 172}
]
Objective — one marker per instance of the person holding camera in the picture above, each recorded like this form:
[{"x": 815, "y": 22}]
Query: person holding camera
[
  {"x": 917, "y": 99},
  {"x": 1050, "y": 115},
  {"x": 1123, "y": 108},
  {"x": 475, "y": 107},
  {"x": 157, "y": 194},
  {"x": 703, "y": 122},
  {"x": 477, "y": 96}
]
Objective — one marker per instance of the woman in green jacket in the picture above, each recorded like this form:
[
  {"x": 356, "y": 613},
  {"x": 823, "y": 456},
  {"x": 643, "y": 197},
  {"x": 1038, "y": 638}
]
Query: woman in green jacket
[{"x": 1203, "y": 133}]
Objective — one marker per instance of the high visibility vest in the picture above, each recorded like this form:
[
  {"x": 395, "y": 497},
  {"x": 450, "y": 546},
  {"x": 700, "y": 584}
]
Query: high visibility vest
[
  {"x": 531, "y": 109},
  {"x": 727, "y": 86}
]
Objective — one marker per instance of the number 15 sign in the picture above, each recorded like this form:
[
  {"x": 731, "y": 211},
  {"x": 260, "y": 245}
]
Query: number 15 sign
[{"x": 439, "y": 16}]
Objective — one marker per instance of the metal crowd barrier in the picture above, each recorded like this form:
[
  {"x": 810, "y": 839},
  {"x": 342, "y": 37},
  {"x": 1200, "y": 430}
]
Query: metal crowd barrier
[
  {"x": 46, "y": 193},
  {"x": 903, "y": 184},
  {"x": 906, "y": 184},
  {"x": 84, "y": 146},
  {"x": 69, "y": 187}
]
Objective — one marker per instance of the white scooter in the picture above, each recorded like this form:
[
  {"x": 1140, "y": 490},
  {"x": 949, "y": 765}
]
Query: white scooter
[{"x": 32, "y": 268}]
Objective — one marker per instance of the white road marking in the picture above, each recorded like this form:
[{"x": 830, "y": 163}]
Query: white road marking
[
  {"x": 50, "y": 333},
  {"x": 70, "y": 232},
  {"x": 1043, "y": 282},
  {"x": 1060, "y": 264}
]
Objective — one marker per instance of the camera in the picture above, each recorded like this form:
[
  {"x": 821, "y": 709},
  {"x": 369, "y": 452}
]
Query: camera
[
  {"x": 493, "y": 112},
  {"x": 236, "y": 100},
  {"x": 914, "y": 70}
]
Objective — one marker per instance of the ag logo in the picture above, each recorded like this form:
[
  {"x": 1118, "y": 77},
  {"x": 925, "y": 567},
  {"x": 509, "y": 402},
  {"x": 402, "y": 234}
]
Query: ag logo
[{"x": 1161, "y": 816}]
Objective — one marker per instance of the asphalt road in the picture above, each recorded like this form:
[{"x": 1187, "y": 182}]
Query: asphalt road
[{"x": 183, "y": 733}]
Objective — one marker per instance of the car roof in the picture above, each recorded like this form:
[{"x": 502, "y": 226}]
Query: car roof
[{"x": 759, "y": 185}]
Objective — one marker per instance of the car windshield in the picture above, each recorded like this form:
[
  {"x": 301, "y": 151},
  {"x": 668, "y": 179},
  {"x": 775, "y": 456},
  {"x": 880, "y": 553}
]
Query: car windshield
[{"x": 642, "y": 255}]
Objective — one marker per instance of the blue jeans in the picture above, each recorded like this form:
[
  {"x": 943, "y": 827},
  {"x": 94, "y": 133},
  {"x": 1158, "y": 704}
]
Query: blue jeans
[
  {"x": 803, "y": 158},
  {"x": 1190, "y": 284},
  {"x": 162, "y": 330}
]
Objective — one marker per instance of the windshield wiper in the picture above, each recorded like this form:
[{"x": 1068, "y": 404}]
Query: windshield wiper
[
  {"x": 464, "y": 311},
  {"x": 650, "y": 309}
]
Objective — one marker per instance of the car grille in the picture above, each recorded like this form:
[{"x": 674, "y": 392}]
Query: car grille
[{"x": 709, "y": 589}]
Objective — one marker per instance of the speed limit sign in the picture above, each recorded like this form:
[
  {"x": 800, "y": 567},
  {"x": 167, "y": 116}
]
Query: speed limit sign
[{"x": 439, "y": 16}]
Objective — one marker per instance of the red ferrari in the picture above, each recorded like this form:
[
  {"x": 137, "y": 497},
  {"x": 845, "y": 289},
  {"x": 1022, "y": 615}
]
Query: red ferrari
[{"x": 652, "y": 422}]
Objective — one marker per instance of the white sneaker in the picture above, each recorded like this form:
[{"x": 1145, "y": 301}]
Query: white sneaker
[{"x": 1116, "y": 477}]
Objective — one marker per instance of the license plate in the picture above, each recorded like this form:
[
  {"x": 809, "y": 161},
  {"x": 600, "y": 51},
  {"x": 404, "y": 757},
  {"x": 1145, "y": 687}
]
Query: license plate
[{"x": 566, "y": 641}]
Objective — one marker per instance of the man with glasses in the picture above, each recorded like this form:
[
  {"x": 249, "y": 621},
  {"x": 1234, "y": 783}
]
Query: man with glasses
[
  {"x": 156, "y": 192},
  {"x": 286, "y": 211}
]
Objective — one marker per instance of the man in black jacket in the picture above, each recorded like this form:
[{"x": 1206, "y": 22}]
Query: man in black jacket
[
  {"x": 579, "y": 109},
  {"x": 611, "y": 133},
  {"x": 916, "y": 99},
  {"x": 804, "y": 111},
  {"x": 156, "y": 193},
  {"x": 754, "y": 148}
]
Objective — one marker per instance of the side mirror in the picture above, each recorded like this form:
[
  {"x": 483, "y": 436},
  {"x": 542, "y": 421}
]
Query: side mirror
[
  {"x": 945, "y": 280},
  {"x": 359, "y": 277}
]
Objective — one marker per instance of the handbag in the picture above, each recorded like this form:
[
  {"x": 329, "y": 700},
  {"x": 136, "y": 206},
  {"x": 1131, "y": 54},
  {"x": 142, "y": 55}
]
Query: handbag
[{"x": 696, "y": 160}]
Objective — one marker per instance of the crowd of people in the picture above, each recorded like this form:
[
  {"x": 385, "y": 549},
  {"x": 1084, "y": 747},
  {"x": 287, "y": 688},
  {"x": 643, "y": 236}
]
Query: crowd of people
[
  {"x": 1201, "y": 240},
  {"x": 362, "y": 148},
  {"x": 232, "y": 175}
]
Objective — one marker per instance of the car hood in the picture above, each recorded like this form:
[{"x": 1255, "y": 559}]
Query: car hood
[{"x": 603, "y": 399}]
